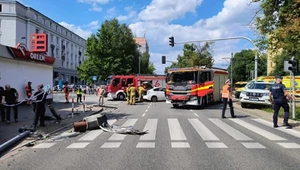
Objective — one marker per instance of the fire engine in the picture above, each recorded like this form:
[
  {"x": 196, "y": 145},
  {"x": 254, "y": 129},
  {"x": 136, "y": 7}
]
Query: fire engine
[
  {"x": 194, "y": 86},
  {"x": 117, "y": 84}
]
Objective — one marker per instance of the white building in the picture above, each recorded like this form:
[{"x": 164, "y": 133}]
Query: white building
[{"x": 18, "y": 22}]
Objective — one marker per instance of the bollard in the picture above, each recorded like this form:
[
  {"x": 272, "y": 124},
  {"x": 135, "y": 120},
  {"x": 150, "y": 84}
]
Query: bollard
[
  {"x": 72, "y": 107},
  {"x": 83, "y": 103}
]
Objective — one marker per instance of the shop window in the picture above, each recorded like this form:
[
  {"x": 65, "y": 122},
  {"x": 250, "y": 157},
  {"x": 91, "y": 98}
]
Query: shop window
[{"x": 0, "y": 7}]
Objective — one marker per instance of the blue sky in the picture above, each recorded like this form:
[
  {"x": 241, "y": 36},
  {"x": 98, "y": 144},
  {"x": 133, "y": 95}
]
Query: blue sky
[{"x": 159, "y": 19}]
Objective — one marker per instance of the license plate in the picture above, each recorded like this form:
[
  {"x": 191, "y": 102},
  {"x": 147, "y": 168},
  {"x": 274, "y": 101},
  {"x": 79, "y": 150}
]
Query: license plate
[{"x": 253, "y": 99}]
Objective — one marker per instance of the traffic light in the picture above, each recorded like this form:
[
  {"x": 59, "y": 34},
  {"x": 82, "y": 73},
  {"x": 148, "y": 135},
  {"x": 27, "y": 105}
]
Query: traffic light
[
  {"x": 171, "y": 41},
  {"x": 293, "y": 65},
  {"x": 163, "y": 59}
]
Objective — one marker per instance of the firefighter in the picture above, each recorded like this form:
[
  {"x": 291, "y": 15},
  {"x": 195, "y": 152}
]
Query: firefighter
[
  {"x": 141, "y": 91},
  {"x": 278, "y": 96},
  {"x": 132, "y": 94},
  {"x": 29, "y": 93},
  {"x": 128, "y": 94},
  {"x": 226, "y": 96}
]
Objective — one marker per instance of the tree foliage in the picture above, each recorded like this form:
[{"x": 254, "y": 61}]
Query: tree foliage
[
  {"x": 194, "y": 56},
  {"x": 112, "y": 50},
  {"x": 243, "y": 63},
  {"x": 281, "y": 23}
]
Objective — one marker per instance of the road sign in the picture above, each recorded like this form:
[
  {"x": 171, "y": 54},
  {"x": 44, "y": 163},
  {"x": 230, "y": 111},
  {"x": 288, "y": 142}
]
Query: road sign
[{"x": 94, "y": 78}]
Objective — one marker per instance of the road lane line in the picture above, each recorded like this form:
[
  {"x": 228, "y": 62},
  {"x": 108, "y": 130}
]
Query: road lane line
[
  {"x": 43, "y": 145},
  {"x": 143, "y": 114},
  {"x": 282, "y": 128},
  {"x": 202, "y": 130},
  {"x": 95, "y": 133},
  {"x": 111, "y": 145},
  {"x": 237, "y": 135},
  {"x": 148, "y": 107},
  {"x": 289, "y": 145},
  {"x": 180, "y": 145},
  {"x": 257, "y": 130},
  {"x": 146, "y": 110},
  {"x": 145, "y": 145},
  {"x": 196, "y": 115},
  {"x": 253, "y": 145},
  {"x": 176, "y": 132},
  {"x": 151, "y": 126},
  {"x": 215, "y": 145},
  {"x": 129, "y": 122},
  {"x": 78, "y": 145}
]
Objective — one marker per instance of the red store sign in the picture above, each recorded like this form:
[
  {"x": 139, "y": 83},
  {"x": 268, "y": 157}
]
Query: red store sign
[{"x": 21, "y": 52}]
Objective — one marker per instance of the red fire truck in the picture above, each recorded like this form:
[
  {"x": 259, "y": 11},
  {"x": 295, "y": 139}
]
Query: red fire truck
[
  {"x": 117, "y": 84},
  {"x": 196, "y": 86}
]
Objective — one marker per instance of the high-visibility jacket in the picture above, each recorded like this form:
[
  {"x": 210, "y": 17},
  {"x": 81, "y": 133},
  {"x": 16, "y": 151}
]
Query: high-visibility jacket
[
  {"x": 79, "y": 91},
  {"x": 225, "y": 91},
  {"x": 141, "y": 89},
  {"x": 132, "y": 90},
  {"x": 128, "y": 91}
]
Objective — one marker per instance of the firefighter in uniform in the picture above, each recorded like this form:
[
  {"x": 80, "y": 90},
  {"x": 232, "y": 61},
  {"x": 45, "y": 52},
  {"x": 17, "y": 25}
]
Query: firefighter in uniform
[
  {"x": 132, "y": 94},
  {"x": 226, "y": 97},
  {"x": 128, "y": 94},
  {"x": 141, "y": 91},
  {"x": 278, "y": 96}
]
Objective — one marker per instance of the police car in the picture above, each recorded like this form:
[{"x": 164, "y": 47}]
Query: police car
[{"x": 257, "y": 93}]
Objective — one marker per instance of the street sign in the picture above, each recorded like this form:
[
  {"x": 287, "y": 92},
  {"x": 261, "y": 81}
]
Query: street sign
[{"x": 94, "y": 78}]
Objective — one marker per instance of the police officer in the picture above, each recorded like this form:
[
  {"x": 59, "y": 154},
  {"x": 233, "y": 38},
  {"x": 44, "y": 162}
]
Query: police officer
[
  {"x": 128, "y": 94},
  {"x": 39, "y": 107},
  {"x": 226, "y": 96},
  {"x": 278, "y": 96}
]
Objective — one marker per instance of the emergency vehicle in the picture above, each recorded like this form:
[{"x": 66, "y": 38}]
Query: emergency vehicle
[
  {"x": 195, "y": 86},
  {"x": 117, "y": 84}
]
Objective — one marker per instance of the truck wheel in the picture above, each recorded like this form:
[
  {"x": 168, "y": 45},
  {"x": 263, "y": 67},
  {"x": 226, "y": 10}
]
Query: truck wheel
[
  {"x": 175, "y": 105},
  {"x": 153, "y": 99},
  {"x": 244, "y": 105},
  {"x": 121, "y": 96}
]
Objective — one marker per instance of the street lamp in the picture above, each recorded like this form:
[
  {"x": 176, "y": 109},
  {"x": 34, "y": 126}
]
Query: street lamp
[{"x": 231, "y": 68}]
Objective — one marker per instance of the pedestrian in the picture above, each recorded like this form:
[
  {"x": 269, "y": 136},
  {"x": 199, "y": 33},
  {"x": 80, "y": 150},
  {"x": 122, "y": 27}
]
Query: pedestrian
[
  {"x": 1, "y": 105},
  {"x": 132, "y": 94},
  {"x": 278, "y": 97},
  {"x": 101, "y": 92},
  {"x": 79, "y": 94},
  {"x": 128, "y": 94},
  {"x": 10, "y": 97},
  {"x": 141, "y": 91},
  {"x": 227, "y": 99},
  {"x": 28, "y": 93},
  {"x": 66, "y": 91},
  {"x": 39, "y": 106}
]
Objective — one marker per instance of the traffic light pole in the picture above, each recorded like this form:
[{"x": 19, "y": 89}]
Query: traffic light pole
[
  {"x": 232, "y": 38},
  {"x": 293, "y": 93}
]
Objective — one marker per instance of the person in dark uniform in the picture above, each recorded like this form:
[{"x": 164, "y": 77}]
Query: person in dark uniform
[
  {"x": 278, "y": 96},
  {"x": 39, "y": 107},
  {"x": 226, "y": 97},
  {"x": 1, "y": 106},
  {"x": 11, "y": 97}
]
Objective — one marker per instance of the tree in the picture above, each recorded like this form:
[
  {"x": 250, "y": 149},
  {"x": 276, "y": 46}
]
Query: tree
[
  {"x": 112, "y": 50},
  {"x": 147, "y": 67},
  {"x": 243, "y": 64},
  {"x": 194, "y": 56},
  {"x": 281, "y": 24}
]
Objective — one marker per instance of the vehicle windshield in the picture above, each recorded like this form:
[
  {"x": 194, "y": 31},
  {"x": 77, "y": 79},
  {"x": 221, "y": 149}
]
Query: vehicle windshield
[
  {"x": 261, "y": 86},
  {"x": 109, "y": 80},
  {"x": 182, "y": 77}
]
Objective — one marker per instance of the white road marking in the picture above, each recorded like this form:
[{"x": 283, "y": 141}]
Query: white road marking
[
  {"x": 78, "y": 145},
  {"x": 289, "y": 145},
  {"x": 283, "y": 128},
  {"x": 196, "y": 115},
  {"x": 151, "y": 126},
  {"x": 148, "y": 107},
  {"x": 253, "y": 145},
  {"x": 176, "y": 132},
  {"x": 111, "y": 145},
  {"x": 146, "y": 110},
  {"x": 202, "y": 130},
  {"x": 180, "y": 145},
  {"x": 143, "y": 114},
  {"x": 129, "y": 122},
  {"x": 237, "y": 135},
  {"x": 44, "y": 145},
  {"x": 191, "y": 110},
  {"x": 145, "y": 145},
  {"x": 215, "y": 145},
  {"x": 259, "y": 131}
]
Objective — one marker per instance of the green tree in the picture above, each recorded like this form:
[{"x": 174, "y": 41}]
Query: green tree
[
  {"x": 147, "y": 67},
  {"x": 194, "y": 56}
]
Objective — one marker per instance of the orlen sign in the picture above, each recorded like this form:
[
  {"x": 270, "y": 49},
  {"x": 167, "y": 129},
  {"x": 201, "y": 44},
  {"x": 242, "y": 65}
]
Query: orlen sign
[{"x": 21, "y": 52}]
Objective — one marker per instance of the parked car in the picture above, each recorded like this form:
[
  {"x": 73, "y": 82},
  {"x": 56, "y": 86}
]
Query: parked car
[
  {"x": 155, "y": 94},
  {"x": 257, "y": 93}
]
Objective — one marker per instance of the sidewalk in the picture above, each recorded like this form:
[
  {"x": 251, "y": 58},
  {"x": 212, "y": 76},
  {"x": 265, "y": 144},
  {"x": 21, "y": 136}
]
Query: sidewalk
[{"x": 265, "y": 115}]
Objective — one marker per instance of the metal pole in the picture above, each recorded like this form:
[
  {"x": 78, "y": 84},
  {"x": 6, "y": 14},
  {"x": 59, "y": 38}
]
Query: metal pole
[
  {"x": 14, "y": 140},
  {"x": 293, "y": 89},
  {"x": 231, "y": 81}
]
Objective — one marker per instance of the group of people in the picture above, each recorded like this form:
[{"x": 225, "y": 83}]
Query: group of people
[
  {"x": 9, "y": 99},
  {"x": 131, "y": 92},
  {"x": 278, "y": 96}
]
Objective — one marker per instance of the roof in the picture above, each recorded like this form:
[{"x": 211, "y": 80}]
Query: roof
[{"x": 140, "y": 40}]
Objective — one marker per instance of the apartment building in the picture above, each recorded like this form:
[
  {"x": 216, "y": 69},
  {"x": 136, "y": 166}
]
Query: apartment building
[
  {"x": 142, "y": 44},
  {"x": 18, "y": 22}
]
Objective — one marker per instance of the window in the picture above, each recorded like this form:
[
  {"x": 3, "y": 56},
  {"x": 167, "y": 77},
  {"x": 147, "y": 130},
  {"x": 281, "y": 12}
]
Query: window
[
  {"x": 0, "y": 7},
  {"x": 56, "y": 28},
  {"x": 116, "y": 81},
  {"x": 123, "y": 82},
  {"x": 206, "y": 76},
  {"x": 35, "y": 17},
  {"x": 157, "y": 89},
  {"x": 129, "y": 81},
  {"x": 37, "y": 30},
  {"x": 43, "y": 21},
  {"x": 50, "y": 25},
  {"x": 51, "y": 37}
]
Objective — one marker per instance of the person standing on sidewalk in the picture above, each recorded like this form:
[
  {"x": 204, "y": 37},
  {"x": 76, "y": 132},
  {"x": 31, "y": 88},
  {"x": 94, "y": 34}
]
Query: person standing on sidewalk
[
  {"x": 226, "y": 97},
  {"x": 66, "y": 91},
  {"x": 10, "y": 97},
  {"x": 2, "y": 106},
  {"x": 79, "y": 94},
  {"x": 101, "y": 92},
  {"x": 28, "y": 92},
  {"x": 278, "y": 97}
]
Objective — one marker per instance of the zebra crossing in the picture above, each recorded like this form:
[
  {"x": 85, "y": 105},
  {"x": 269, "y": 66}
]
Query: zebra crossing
[{"x": 178, "y": 137}]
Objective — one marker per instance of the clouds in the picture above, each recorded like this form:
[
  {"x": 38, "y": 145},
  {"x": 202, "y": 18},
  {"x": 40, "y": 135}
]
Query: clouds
[
  {"x": 84, "y": 31},
  {"x": 95, "y": 4}
]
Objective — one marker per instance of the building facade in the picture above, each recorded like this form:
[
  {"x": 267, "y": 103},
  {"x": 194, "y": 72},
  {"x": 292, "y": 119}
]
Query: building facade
[
  {"x": 142, "y": 44},
  {"x": 18, "y": 22}
]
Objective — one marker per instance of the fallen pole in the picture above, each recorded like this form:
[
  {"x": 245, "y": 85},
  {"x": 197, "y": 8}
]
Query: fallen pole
[{"x": 14, "y": 140}]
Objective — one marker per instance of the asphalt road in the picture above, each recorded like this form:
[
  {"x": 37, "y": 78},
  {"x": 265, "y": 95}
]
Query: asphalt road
[{"x": 177, "y": 139}]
